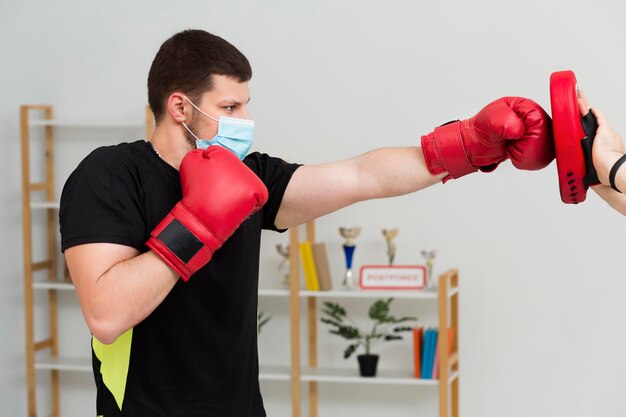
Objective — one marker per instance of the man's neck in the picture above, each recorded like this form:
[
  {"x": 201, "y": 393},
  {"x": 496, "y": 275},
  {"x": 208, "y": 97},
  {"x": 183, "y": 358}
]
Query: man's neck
[{"x": 170, "y": 144}]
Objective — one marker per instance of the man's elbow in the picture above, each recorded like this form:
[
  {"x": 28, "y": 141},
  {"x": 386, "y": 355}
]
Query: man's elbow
[{"x": 106, "y": 331}]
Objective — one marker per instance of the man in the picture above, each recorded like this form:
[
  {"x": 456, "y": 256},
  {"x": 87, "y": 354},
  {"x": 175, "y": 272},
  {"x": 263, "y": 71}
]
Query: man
[
  {"x": 137, "y": 216},
  {"x": 608, "y": 156}
]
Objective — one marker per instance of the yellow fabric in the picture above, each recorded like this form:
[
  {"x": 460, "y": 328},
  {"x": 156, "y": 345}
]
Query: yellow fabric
[{"x": 114, "y": 361}]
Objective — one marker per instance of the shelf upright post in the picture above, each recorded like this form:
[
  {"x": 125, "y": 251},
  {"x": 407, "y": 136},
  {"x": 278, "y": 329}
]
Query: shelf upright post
[
  {"x": 294, "y": 307},
  {"x": 448, "y": 359},
  {"x": 312, "y": 327},
  {"x": 454, "y": 313},
  {"x": 29, "y": 266},
  {"x": 53, "y": 316}
]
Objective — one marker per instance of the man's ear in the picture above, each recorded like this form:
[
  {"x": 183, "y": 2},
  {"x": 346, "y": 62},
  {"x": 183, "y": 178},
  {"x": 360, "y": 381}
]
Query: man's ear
[{"x": 178, "y": 108}]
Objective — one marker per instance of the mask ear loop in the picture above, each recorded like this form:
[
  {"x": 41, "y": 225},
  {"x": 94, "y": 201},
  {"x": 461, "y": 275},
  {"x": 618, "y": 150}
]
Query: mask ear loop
[
  {"x": 198, "y": 108},
  {"x": 189, "y": 130}
]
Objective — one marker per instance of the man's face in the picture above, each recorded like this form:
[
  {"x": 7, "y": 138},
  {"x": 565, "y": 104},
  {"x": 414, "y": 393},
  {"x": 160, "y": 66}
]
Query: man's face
[{"x": 228, "y": 97}]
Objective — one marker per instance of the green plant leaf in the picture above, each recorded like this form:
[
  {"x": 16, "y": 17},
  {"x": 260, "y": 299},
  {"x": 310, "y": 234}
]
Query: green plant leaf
[
  {"x": 347, "y": 332},
  {"x": 350, "y": 350},
  {"x": 379, "y": 310},
  {"x": 330, "y": 322},
  {"x": 334, "y": 310},
  {"x": 262, "y": 319},
  {"x": 391, "y": 337},
  {"x": 405, "y": 319},
  {"x": 402, "y": 329}
]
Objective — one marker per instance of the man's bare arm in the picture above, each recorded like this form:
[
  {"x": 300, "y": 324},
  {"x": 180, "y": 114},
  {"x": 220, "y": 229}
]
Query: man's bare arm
[
  {"x": 317, "y": 190},
  {"x": 116, "y": 286}
]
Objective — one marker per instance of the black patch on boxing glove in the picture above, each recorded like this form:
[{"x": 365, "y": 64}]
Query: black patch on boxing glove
[{"x": 180, "y": 240}]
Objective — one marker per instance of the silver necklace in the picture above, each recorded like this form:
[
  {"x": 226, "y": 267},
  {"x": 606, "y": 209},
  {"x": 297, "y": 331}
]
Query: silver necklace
[{"x": 154, "y": 149}]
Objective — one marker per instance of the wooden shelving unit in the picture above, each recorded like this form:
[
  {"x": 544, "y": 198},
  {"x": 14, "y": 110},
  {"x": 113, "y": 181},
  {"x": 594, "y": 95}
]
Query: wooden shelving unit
[
  {"x": 446, "y": 297},
  {"x": 44, "y": 354}
]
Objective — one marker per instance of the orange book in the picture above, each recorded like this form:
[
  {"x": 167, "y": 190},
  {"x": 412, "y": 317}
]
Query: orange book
[
  {"x": 450, "y": 344},
  {"x": 418, "y": 339}
]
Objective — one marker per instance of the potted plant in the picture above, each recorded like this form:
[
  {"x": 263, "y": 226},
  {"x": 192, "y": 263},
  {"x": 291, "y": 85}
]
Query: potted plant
[{"x": 384, "y": 329}]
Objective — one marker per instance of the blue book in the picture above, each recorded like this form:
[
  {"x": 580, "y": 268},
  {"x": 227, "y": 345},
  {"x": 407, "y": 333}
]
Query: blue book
[
  {"x": 431, "y": 353},
  {"x": 425, "y": 349}
]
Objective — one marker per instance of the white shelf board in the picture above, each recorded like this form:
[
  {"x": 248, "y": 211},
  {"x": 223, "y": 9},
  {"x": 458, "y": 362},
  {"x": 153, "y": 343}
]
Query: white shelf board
[
  {"x": 351, "y": 376},
  {"x": 53, "y": 284},
  {"x": 45, "y": 205},
  {"x": 274, "y": 373},
  {"x": 268, "y": 373},
  {"x": 64, "y": 364},
  {"x": 273, "y": 292},
  {"x": 407, "y": 294},
  {"x": 411, "y": 294},
  {"x": 110, "y": 124},
  {"x": 264, "y": 292}
]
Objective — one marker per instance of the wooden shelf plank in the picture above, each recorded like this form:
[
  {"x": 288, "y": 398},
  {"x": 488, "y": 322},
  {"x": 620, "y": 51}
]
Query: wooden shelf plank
[
  {"x": 408, "y": 294},
  {"x": 351, "y": 376},
  {"x": 52, "y": 284},
  {"x": 274, "y": 373},
  {"x": 111, "y": 124},
  {"x": 45, "y": 205},
  {"x": 70, "y": 364},
  {"x": 273, "y": 292}
]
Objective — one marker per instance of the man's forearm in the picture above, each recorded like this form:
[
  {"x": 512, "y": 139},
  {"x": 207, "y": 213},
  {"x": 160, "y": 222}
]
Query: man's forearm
[
  {"x": 125, "y": 295},
  {"x": 389, "y": 172},
  {"x": 316, "y": 190}
]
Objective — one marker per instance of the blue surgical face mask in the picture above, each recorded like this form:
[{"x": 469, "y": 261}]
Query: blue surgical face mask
[{"x": 233, "y": 134}]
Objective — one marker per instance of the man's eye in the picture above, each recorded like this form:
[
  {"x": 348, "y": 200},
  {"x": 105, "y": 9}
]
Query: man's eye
[{"x": 229, "y": 108}]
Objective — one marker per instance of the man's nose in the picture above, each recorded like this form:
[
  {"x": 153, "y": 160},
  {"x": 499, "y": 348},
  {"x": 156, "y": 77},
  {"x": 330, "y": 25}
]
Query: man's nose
[{"x": 245, "y": 114}]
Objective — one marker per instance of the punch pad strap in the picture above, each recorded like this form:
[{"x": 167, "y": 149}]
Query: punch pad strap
[{"x": 590, "y": 126}]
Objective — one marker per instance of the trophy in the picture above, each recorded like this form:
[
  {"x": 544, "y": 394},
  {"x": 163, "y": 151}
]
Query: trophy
[
  {"x": 349, "y": 233},
  {"x": 391, "y": 247},
  {"x": 429, "y": 255},
  {"x": 284, "y": 266}
]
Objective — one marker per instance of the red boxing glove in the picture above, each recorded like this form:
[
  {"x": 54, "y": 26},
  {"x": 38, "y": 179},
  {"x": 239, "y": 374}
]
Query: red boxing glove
[
  {"x": 219, "y": 193},
  {"x": 510, "y": 127}
]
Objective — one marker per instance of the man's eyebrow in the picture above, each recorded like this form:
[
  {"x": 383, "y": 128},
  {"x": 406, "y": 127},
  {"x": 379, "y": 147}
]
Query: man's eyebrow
[{"x": 232, "y": 100}]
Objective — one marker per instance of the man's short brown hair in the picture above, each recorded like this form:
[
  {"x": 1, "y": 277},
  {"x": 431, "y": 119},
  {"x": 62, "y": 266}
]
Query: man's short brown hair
[{"x": 187, "y": 61}]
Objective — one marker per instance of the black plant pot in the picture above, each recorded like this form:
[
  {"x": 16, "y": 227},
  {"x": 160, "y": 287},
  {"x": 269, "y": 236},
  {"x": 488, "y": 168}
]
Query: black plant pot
[{"x": 368, "y": 364}]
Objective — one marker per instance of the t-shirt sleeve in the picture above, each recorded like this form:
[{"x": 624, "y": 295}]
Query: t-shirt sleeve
[
  {"x": 101, "y": 203},
  {"x": 275, "y": 174}
]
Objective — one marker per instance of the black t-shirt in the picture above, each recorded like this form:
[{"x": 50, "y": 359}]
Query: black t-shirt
[{"x": 196, "y": 354}]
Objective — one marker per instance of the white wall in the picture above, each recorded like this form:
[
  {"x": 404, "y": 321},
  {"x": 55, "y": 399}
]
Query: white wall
[{"x": 542, "y": 305}]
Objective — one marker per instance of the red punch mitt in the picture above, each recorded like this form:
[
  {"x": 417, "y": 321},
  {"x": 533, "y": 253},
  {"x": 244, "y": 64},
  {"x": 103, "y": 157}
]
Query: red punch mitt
[{"x": 573, "y": 139}]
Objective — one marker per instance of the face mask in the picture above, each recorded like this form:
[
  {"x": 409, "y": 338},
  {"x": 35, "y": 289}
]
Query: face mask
[{"x": 234, "y": 134}]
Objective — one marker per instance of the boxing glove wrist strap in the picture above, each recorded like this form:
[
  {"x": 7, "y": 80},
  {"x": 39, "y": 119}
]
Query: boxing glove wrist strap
[
  {"x": 614, "y": 169},
  {"x": 178, "y": 240},
  {"x": 450, "y": 144}
]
